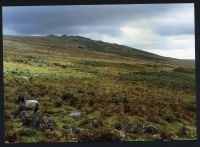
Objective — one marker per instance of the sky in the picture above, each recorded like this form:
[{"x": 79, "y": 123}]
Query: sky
[{"x": 163, "y": 29}]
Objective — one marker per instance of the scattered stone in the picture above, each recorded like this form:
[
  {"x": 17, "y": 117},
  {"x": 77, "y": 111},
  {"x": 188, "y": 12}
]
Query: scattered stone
[
  {"x": 140, "y": 128},
  {"x": 47, "y": 131},
  {"x": 51, "y": 124},
  {"x": 25, "y": 78},
  {"x": 37, "y": 120},
  {"x": 133, "y": 128},
  {"x": 23, "y": 115},
  {"x": 35, "y": 75},
  {"x": 79, "y": 130},
  {"x": 75, "y": 114},
  {"x": 122, "y": 135},
  {"x": 151, "y": 129},
  {"x": 45, "y": 119},
  {"x": 70, "y": 132},
  {"x": 140, "y": 139},
  {"x": 7, "y": 142},
  {"x": 156, "y": 137},
  {"x": 74, "y": 139}
]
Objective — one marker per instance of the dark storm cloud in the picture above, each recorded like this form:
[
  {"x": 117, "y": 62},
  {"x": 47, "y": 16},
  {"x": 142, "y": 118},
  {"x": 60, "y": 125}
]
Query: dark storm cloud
[
  {"x": 58, "y": 20},
  {"x": 80, "y": 19}
]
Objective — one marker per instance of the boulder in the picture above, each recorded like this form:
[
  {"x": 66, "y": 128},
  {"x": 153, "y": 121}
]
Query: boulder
[
  {"x": 23, "y": 115},
  {"x": 122, "y": 135},
  {"x": 133, "y": 128},
  {"x": 6, "y": 142},
  {"x": 25, "y": 78},
  {"x": 151, "y": 129},
  {"x": 156, "y": 137},
  {"x": 75, "y": 114},
  {"x": 37, "y": 120}
]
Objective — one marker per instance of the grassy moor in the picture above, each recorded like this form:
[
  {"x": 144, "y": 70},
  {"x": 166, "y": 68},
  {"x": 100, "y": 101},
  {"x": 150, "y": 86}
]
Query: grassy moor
[{"x": 96, "y": 91}]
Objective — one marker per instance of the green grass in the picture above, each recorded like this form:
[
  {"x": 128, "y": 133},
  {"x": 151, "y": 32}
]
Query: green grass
[{"x": 109, "y": 89}]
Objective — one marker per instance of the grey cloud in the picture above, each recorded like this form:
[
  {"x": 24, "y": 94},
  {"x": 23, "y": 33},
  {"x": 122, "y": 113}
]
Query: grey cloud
[
  {"x": 79, "y": 19},
  {"x": 170, "y": 30},
  {"x": 104, "y": 22}
]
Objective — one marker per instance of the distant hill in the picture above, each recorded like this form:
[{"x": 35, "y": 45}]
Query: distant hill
[{"x": 78, "y": 43}]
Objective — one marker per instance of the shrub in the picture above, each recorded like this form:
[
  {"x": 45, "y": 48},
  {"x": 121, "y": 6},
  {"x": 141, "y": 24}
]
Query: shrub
[
  {"x": 166, "y": 135},
  {"x": 67, "y": 96},
  {"x": 58, "y": 103},
  {"x": 11, "y": 137},
  {"x": 7, "y": 116},
  {"x": 182, "y": 132},
  {"x": 127, "y": 107},
  {"x": 184, "y": 70},
  {"x": 189, "y": 105},
  {"x": 154, "y": 119},
  {"x": 169, "y": 117},
  {"x": 99, "y": 134}
]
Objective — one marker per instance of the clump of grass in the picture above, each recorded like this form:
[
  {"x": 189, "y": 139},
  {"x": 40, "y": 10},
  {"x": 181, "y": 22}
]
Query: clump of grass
[
  {"x": 182, "y": 132},
  {"x": 184, "y": 70},
  {"x": 169, "y": 117},
  {"x": 99, "y": 134},
  {"x": 67, "y": 96},
  {"x": 12, "y": 137},
  {"x": 30, "y": 135},
  {"x": 166, "y": 135},
  {"x": 58, "y": 103}
]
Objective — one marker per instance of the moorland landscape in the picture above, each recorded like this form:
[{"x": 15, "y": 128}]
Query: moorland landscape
[{"x": 96, "y": 91}]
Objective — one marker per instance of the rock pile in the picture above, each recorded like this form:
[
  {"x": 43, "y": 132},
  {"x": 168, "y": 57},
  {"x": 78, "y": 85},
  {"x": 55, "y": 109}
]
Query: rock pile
[
  {"x": 37, "y": 120},
  {"x": 140, "y": 128}
]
